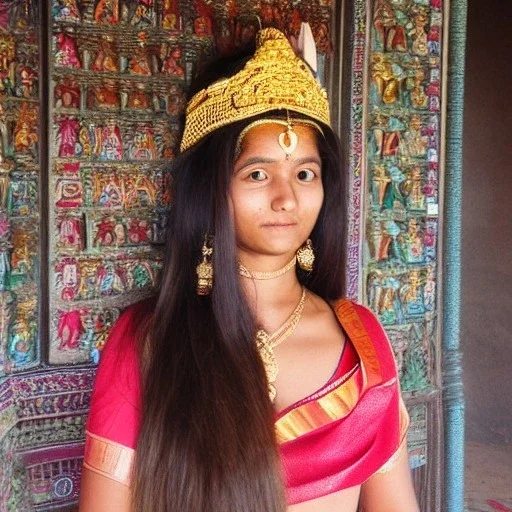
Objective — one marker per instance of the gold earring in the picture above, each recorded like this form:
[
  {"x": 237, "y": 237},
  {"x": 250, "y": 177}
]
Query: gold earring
[
  {"x": 204, "y": 270},
  {"x": 306, "y": 256}
]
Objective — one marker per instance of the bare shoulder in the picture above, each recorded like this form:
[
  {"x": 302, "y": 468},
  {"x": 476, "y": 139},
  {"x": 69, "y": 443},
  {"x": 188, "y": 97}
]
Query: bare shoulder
[{"x": 319, "y": 311}]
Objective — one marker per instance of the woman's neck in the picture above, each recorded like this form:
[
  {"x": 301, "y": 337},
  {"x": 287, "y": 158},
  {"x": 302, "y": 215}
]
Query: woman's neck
[{"x": 271, "y": 299}]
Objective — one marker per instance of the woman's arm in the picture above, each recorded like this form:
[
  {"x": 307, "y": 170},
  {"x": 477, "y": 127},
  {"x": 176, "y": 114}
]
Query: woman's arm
[
  {"x": 101, "y": 494},
  {"x": 391, "y": 491}
]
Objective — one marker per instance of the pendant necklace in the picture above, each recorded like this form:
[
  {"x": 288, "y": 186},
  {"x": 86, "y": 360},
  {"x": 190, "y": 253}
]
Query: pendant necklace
[{"x": 266, "y": 343}]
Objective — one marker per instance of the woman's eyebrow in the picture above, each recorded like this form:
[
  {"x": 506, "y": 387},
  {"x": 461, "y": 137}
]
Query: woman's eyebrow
[{"x": 264, "y": 160}]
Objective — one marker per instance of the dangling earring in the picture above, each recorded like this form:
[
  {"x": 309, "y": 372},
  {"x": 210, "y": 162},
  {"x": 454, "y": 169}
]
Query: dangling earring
[
  {"x": 306, "y": 256},
  {"x": 204, "y": 270}
]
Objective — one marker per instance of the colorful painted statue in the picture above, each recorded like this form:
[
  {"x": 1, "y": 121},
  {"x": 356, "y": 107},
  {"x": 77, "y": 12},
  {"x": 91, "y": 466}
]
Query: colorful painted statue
[
  {"x": 107, "y": 11},
  {"x": 143, "y": 14},
  {"x": 25, "y": 130},
  {"x": 112, "y": 143},
  {"x": 143, "y": 145},
  {"x": 68, "y": 136},
  {"x": 393, "y": 198},
  {"x": 107, "y": 191},
  {"x": 412, "y": 242},
  {"x": 411, "y": 294},
  {"x": 69, "y": 330},
  {"x": 65, "y": 10},
  {"x": 140, "y": 63},
  {"x": 109, "y": 280},
  {"x": 414, "y": 143},
  {"x": 67, "y": 53},
  {"x": 67, "y": 94},
  {"x": 419, "y": 36},
  {"x": 68, "y": 192},
  {"x": 380, "y": 182},
  {"x": 171, "y": 15},
  {"x": 104, "y": 97},
  {"x": 171, "y": 56},
  {"x": 107, "y": 58},
  {"x": 414, "y": 191},
  {"x": 70, "y": 232},
  {"x": 138, "y": 98}
]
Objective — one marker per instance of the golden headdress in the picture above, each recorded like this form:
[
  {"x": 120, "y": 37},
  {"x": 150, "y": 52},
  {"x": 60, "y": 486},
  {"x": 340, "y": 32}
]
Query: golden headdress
[{"x": 273, "y": 79}]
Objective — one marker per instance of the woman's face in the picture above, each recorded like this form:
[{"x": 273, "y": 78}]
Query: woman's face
[{"x": 275, "y": 200}]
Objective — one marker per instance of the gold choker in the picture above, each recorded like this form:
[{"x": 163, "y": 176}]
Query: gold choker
[
  {"x": 266, "y": 343},
  {"x": 261, "y": 276}
]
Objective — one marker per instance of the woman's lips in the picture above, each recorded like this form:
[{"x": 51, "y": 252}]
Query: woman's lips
[{"x": 280, "y": 225}]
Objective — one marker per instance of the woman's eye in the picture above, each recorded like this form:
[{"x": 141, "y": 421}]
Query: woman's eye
[
  {"x": 258, "y": 176},
  {"x": 306, "y": 175}
]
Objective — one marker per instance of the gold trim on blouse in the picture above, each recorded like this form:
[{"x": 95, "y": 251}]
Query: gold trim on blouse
[
  {"x": 311, "y": 415},
  {"x": 340, "y": 401},
  {"x": 108, "y": 458}
]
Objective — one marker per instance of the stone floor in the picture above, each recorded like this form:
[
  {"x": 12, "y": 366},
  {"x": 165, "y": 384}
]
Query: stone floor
[{"x": 488, "y": 478}]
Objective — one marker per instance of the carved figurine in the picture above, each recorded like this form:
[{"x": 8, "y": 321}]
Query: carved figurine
[
  {"x": 67, "y": 53},
  {"x": 171, "y": 56},
  {"x": 68, "y": 136},
  {"x": 138, "y": 98},
  {"x": 107, "y": 11},
  {"x": 169, "y": 141},
  {"x": 393, "y": 199},
  {"x": 411, "y": 294},
  {"x": 175, "y": 100},
  {"x": 107, "y": 58},
  {"x": 70, "y": 232},
  {"x": 140, "y": 63},
  {"x": 67, "y": 94},
  {"x": 380, "y": 182},
  {"x": 109, "y": 280},
  {"x": 414, "y": 144},
  {"x": 25, "y": 130},
  {"x": 104, "y": 97},
  {"x": 138, "y": 191},
  {"x": 65, "y": 10},
  {"x": 389, "y": 307},
  {"x": 69, "y": 330},
  {"x": 143, "y": 146},
  {"x": 429, "y": 290},
  {"x": 104, "y": 233},
  {"x": 68, "y": 192},
  {"x": 414, "y": 191},
  {"x": 143, "y": 14},
  {"x": 412, "y": 242},
  {"x": 107, "y": 191},
  {"x": 419, "y": 36},
  {"x": 112, "y": 143},
  {"x": 68, "y": 278},
  {"x": 26, "y": 79},
  {"x": 139, "y": 232},
  {"x": 390, "y": 27},
  {"x": 171, "y": 15}
]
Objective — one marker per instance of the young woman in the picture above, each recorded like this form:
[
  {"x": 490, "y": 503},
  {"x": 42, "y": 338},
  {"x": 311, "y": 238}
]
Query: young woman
[{"x": 250, "y": 384}]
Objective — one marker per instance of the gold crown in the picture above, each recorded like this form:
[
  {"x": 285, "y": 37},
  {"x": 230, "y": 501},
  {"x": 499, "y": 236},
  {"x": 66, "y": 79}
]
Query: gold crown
[{"x": 273, "y": 79}]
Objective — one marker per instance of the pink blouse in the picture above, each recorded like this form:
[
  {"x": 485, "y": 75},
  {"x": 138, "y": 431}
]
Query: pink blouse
[{"x": 360, "y": 402}]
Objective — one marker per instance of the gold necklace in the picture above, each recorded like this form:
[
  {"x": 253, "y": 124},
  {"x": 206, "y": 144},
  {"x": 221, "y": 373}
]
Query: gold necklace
[
  {"x": 266, "y": 343},
  {"x": 252, "y": 274}
]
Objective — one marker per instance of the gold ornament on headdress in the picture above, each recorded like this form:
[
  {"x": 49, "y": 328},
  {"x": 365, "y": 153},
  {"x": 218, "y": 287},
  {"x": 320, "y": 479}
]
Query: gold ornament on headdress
[{"x": 273, "y": 79}]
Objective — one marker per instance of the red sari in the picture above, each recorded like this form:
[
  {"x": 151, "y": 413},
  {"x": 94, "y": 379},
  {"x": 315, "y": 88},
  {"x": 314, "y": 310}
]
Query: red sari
[{"x": 361, "y": 404}]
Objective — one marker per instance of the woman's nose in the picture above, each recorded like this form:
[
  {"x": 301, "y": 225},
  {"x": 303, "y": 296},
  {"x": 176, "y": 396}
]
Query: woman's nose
[{"x": 283, "y": 196}]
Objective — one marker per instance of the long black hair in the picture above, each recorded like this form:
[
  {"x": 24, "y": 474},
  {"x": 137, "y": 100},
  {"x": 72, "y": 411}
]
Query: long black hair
[{"x": 207, "y": 440}]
